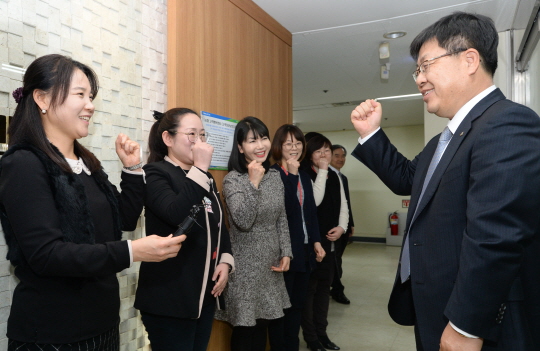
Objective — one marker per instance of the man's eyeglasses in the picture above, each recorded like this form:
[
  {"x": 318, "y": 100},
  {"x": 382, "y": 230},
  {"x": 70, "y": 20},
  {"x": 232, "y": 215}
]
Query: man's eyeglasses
[
  {"x": 423, "y": 67},
  {"x": 192, "y": 136},
  {"x": 289, "y": 146}
]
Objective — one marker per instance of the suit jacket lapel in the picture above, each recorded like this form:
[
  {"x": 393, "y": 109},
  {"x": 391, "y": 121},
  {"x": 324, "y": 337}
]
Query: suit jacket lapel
[
  {"x": 422, "y": 167},
  {"x": 451, "y": 149},
  {"x": 447, "y": 156}
]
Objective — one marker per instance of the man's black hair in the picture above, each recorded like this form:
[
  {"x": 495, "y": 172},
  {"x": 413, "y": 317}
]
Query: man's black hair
[
  {"x": 337, "y": 146},
  {"x": 459, "y": 31}
]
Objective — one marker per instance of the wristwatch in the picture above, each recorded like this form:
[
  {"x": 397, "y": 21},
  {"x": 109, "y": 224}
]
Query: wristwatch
[{"x": 132, "y": 168}]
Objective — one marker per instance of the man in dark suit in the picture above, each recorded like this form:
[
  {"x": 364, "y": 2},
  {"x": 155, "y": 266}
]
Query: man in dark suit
[
  {"x": 339, "y": 155},
  {"x": 469, "y": 273}
]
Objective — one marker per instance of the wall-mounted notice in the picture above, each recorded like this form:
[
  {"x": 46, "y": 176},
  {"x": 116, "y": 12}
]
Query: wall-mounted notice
[{"x": 221, "y": 132}]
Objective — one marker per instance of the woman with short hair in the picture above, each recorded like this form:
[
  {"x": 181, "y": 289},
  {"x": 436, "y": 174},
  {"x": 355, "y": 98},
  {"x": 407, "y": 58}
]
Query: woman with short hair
[
  {"x": 288, "y": 149},
  {"x": 333, "y": 216}
]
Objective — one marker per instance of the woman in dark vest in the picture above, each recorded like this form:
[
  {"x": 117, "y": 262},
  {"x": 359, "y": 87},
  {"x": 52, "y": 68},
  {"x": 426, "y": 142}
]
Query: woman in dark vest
[
  {"x": 288, "y": 149},
  {"x": 63, "y": 219},
  {"x": 333, "y": 216},
  {"x": 177, "y": 297}
]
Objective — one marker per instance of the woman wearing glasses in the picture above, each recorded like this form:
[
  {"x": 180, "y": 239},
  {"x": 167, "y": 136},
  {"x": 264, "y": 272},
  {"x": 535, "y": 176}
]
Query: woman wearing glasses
[
  {"x": 333, "y": 216},
  {"x": 288, "y": 148},
  {"x": 260, "y": 238},
  {"x": 177, "y": 299}
]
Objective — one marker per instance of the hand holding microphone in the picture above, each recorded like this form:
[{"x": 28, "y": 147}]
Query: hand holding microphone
[{"x": 187, "y": 223}]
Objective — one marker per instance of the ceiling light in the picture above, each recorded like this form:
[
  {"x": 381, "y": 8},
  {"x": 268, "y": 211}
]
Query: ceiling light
[
  {"x": 355, "y": 102},
  {"x": 384, "y": 50},
  {"x": 394, "y": 35},
  {"x": 403, "y": 97}
]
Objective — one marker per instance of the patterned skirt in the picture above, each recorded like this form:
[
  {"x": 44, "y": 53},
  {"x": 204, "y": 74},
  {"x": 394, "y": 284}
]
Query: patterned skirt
[{"x": 108, "y": 341}]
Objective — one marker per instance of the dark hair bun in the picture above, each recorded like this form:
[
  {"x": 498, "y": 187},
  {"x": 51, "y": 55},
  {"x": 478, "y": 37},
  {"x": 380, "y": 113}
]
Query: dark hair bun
[{"x": 158, "y": 115}]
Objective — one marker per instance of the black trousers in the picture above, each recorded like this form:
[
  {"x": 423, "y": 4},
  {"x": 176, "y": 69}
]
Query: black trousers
[
  {"x": 179, "y": 334},
  {"x": 250, "y": 338},
  {"x": 283, "y": 332},
  {"x": 315, "y": 313},
  {"x": 337, "y": 286}
]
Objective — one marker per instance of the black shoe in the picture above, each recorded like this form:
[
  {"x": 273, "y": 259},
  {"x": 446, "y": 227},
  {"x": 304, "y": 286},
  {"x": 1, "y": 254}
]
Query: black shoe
[
  {"x": 327, "y": 344},
  {"x": 341, "y": 298},
  {"x": 315, "y": 345}
]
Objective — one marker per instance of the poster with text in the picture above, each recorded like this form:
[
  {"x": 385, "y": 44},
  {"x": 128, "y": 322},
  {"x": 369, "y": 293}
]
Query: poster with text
[{"x": 220, "y": 135}]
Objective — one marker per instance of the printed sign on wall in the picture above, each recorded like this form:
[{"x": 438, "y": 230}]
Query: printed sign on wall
[{"x": 220, "y": 135}]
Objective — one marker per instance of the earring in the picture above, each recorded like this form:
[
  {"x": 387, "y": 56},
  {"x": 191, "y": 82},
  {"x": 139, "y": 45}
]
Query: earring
[{"x": 43, "y": 111}]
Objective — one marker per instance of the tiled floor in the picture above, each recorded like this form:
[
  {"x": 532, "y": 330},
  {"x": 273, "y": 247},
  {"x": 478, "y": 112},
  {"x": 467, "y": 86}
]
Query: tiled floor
[{"x": 364, "y": 325}]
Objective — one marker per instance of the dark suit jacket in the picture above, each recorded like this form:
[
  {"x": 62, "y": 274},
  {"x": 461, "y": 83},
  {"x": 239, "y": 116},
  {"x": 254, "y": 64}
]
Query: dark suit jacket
[
  {"x": 475, "y": 238},
  {"x": 294, "y": 217}
]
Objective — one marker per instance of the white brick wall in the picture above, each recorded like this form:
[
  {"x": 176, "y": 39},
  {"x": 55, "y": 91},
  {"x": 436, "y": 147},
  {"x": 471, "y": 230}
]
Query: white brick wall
[{"x": 125, "y": 42}]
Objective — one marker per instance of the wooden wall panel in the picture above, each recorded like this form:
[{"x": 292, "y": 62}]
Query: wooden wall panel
[
  {"x": 230, "y": 58},
  {"x": 254, "y": 11},
  {"x": 184, "y": 44}
]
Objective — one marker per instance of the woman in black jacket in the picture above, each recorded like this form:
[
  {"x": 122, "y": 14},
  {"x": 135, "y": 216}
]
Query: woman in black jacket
[
  {"x": 177, "y": 298},
  {"x": 288, "y": 149},
  {"x": 63, "y": 219}
]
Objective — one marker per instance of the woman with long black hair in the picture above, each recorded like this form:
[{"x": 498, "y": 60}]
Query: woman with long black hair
[{"x": 63, "y": 219}]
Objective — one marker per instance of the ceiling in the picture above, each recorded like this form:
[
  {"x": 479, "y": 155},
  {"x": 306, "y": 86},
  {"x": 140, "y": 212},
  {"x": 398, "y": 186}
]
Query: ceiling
[{"x": 336, "y": 52}]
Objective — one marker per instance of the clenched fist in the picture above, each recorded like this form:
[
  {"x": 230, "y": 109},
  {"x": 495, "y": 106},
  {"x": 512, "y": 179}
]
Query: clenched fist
[
  {"x": 256, "y": 173},
  {"x": 323, "y": 163},
  {"x": 127, "y": 150},
  {"x": 366, "y": 117},
  {"x": 293, "y": 165},
  {"x": 202, "y": 154}
]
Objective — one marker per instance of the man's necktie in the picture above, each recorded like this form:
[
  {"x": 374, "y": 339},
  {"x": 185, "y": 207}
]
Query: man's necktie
[{"x": 444, "y": 139}]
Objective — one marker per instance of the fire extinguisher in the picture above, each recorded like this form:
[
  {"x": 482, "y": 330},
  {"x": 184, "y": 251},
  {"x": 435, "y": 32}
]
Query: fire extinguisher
[{"x": 393, "y": 219}]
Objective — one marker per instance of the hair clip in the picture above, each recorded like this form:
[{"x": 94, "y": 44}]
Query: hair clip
[
  {"x": 18, "y": 94},
  {"x": 158, "y": 115}
]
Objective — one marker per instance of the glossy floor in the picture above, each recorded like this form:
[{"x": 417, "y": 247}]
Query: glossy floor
[{"x": 364, "y": 325}]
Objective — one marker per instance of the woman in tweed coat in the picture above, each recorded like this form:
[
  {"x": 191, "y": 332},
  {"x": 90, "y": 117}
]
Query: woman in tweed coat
[{"x": 260, "y": 238}]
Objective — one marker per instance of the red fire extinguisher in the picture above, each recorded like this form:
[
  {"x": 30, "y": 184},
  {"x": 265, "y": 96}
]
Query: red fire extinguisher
[{"x": 394, "y": 223}]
